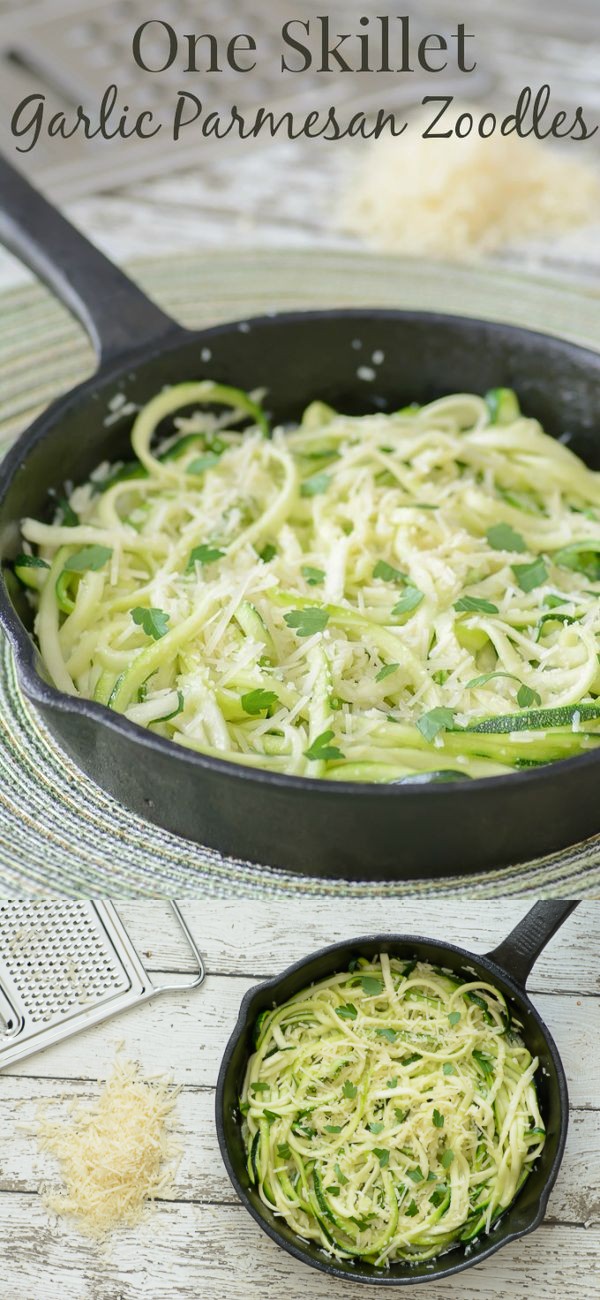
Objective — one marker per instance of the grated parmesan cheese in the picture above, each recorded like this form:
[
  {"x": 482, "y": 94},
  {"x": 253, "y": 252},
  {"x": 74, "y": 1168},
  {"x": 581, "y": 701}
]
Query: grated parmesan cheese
[
  {"x": 115, "y": 1155},
  {"x": 459, "y": 199}
]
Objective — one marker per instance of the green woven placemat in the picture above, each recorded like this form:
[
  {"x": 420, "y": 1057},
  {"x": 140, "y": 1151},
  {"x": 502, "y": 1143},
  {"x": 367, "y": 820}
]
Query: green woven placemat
[{"x": 59, "y": 833}]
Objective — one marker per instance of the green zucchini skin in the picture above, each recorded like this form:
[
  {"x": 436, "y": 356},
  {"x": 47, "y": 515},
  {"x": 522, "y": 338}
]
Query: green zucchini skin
[{"x": 537, "y": 719}]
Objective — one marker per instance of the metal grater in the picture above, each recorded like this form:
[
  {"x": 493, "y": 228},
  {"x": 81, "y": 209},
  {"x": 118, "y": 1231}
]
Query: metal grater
[{"x": 66, "y": 966}]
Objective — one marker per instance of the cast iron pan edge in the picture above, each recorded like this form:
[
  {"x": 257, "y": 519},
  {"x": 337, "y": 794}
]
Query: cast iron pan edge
[{"x": 519, "y": 950}]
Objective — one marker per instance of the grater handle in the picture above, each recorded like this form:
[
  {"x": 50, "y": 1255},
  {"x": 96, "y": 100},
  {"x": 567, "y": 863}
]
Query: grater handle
[{"x": 201, "y": 975}]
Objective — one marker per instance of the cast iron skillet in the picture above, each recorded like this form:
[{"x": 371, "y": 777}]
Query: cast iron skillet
[
  {"x": 319, "y": 828},
  {"x": 508, "y": 967}
]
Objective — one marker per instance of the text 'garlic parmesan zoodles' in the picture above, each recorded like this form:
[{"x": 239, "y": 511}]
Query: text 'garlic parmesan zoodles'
[
  {"x": 410, "y": 596},
  {"x": 390, "y": 1112}
]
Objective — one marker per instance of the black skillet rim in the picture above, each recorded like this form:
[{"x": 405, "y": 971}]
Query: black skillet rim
[
  {"x": 47, "y": 696},
  {"x": 325, "y": 1266}
]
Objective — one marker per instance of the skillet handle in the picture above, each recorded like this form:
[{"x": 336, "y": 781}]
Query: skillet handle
[
  {"x": 517, "y": 954},
  {"x": 117, "y": 316}
]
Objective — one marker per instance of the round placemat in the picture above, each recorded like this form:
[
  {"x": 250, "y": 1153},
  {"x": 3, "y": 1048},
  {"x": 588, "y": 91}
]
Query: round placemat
[{"x": 59, "y": 833}]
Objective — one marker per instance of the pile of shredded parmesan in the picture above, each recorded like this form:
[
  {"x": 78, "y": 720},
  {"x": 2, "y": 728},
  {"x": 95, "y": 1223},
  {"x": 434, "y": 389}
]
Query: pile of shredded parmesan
[
  {"x": 115, "y": 1155},
  {"x": 460, "y": 199}
]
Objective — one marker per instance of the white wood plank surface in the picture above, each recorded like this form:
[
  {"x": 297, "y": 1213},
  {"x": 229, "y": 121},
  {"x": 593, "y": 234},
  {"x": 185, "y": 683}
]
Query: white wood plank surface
[
  {"x": 197, "y": 1252},
  {"x": 201, "y": 1243},
  {"x": 289, "y": 929}
]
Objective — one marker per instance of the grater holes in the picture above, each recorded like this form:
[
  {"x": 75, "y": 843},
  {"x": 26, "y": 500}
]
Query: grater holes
[{"x": 57, "y": 957}]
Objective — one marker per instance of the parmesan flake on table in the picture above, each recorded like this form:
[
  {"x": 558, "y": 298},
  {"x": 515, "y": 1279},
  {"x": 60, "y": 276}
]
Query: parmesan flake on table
[{"x": 115, "y": 1155}]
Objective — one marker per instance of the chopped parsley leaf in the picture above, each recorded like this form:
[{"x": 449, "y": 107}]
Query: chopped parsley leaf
[
  {"x": 88, "y": 558},
  {"x": 504, "y": 538},
  {"x": 383, "y": 1156},
  {"x": 475, "y": 605},
  {"x": 258, "y": 701},
  {"x": 386, "y": 671},
  {"x": 526, "y": 697},
  {"x": 347, "y": 1012},
  {"x": 387, "y": 572},
  {"x": 321, "y": 750},
  {"x": 306, "y": 622},
  {"x": 409, "y": 601},
  {"x": 152, "y": 621},
  {"x": 204, "y": 554},
  {"x": 435, "y": 721},
  {"x": 531, "y": 575}
]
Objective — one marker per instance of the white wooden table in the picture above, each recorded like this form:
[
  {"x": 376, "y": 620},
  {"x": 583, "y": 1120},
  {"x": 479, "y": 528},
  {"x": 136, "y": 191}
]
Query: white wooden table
[{"x": 202, "y": 1245}]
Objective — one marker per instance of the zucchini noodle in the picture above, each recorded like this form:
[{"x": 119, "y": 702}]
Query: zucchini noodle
[
  {"x": 389, "y": 598},
  {"x": 390, "y": 1112}
]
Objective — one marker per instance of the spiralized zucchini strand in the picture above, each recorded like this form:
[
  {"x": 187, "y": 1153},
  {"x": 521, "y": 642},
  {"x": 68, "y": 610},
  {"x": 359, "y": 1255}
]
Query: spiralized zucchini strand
[
  {"x": 390, "y": 1112},
  {"x": 389, "y": 598}
]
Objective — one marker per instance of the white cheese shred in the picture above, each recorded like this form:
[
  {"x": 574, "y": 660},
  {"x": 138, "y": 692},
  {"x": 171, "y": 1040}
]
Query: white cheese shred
[{"x": 115, "y": 1155}]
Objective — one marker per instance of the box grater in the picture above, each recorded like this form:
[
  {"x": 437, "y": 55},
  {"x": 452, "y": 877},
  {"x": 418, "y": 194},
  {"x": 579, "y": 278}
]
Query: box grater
[{"x": 66, "y": 966}]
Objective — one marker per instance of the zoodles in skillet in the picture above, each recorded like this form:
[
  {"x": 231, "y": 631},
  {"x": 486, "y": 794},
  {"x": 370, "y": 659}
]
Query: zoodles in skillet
[
  {"x": 390, "y": 1111},
  {"x": 393, "y": 597}
]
